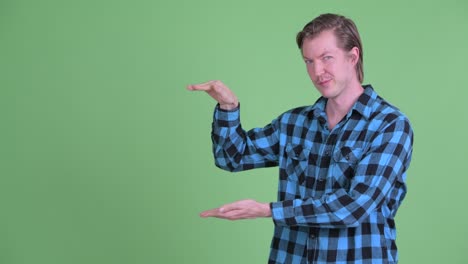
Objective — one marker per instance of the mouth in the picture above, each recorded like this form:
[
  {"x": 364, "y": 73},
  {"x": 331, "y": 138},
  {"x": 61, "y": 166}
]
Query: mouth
[{"x": 322, "y": 83}]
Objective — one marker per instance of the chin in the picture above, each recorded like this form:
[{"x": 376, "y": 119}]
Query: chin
[
  {"x": 326, "y": 91},
  {"x": 328, "y": 95}
]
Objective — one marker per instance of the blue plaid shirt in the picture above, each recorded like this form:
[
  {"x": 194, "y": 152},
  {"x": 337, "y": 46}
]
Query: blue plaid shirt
[{"x": 338, "y": 190}]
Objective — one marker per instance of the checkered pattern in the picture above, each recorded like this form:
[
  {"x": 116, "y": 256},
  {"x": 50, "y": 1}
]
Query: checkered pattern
[{"x": 338, "y": 190}]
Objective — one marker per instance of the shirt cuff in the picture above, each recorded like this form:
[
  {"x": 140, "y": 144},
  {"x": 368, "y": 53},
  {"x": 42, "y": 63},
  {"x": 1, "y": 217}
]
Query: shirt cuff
[
  {"x": 282, "y": 213},
  {"x": 226, "y": 118}
]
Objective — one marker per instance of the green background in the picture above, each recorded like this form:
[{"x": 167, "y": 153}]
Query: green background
[{"x": 105, "y": 157}]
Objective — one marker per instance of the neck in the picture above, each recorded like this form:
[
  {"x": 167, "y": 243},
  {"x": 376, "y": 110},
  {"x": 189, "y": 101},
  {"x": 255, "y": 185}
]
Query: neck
[{"x": 340, "y": 105}]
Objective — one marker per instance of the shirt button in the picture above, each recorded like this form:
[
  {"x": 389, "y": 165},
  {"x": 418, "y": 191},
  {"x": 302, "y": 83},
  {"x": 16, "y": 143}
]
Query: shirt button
[
  {"x": 312, "y": 236},
  {"x": 327, "y": 153}
]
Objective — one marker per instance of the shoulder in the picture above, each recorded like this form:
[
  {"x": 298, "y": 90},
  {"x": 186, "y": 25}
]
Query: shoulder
[
  {"x": 294, "y": 114},
  {"x": 301, "y": 110},
  {"x": 385, "y": 114},
  {"x": 307, "y": 111}
]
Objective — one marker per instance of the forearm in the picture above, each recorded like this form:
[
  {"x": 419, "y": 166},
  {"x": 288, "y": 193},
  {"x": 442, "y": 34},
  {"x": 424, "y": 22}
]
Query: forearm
[
  {"x": 345, "y": 208},
  {"x": 235, "y": 149},
  {"x": 338, "y": 210}
]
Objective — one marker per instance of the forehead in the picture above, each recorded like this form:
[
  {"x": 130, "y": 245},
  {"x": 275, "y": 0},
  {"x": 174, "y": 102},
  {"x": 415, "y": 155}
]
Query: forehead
[{"x": 325, "y": 42}]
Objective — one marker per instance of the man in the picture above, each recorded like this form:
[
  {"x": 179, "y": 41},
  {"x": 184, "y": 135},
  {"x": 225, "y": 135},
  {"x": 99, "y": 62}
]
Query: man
[{"x": 342, "y": 161}]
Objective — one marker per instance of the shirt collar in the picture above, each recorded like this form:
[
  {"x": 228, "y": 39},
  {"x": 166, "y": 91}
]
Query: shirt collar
[{"x": 362, "y": 106}]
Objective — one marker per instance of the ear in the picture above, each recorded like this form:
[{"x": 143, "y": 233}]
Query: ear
[{"x": 354, "y": 55}]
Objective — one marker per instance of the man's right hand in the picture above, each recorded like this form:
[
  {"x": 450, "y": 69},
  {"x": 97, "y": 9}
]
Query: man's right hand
[{"x": 219, "y": 91}]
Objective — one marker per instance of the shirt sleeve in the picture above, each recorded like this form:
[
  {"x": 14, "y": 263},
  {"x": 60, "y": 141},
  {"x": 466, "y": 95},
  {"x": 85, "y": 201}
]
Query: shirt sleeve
[
  {"x": 235, "y": 149},
  {"x": 377, "y": 174}
]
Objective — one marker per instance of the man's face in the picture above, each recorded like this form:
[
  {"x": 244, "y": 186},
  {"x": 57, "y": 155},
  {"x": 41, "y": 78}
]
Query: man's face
[{"x": 330, "y": 68}]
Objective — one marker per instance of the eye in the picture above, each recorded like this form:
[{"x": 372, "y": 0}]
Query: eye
[
  {"x": 308, "y": 61},
  {"x": 326, "y": 58}
]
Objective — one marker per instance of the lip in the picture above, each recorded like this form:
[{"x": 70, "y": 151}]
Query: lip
[{"x": 324, "y": 82}]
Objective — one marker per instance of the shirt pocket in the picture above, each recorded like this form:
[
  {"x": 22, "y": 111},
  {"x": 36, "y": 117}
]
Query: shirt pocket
[
  {"x": 345, "y": 161},
  {"x": 296, "y": 162}
]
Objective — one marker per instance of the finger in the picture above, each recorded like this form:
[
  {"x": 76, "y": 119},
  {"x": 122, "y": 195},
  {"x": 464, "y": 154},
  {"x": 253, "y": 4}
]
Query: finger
[
  {"x": 202, "y": 86},
  {"x": 234, "y": 215},
  {"x": 210, "y": 213},
  {"x": 231, "y": 215}
]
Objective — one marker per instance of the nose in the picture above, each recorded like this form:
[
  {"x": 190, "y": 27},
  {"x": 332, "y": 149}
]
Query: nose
[
  {"x": 315, "y": 69},
  {"x": 319, "y": 69}
]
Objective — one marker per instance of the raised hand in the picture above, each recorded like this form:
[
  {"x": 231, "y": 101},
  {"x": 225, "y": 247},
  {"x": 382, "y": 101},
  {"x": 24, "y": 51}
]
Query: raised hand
[
  {"x": 244, "y": 209},
  {"x": 219, "y": 91}
]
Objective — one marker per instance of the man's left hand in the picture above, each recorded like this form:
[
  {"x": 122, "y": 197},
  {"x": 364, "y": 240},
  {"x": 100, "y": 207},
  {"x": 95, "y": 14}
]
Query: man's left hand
[{"x": 244, "y": 209}]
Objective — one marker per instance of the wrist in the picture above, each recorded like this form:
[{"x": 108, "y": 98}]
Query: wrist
[
  {"x": 266, "y": 209},
  {"x": 229, "y": 106}
]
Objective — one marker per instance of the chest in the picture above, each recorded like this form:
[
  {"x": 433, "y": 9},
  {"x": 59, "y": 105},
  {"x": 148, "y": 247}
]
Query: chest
[{"x": 321, "y": 161}]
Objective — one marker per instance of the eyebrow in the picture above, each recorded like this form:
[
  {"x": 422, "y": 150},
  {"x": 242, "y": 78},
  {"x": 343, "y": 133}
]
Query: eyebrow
[{"x": 320, "y": 56}]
